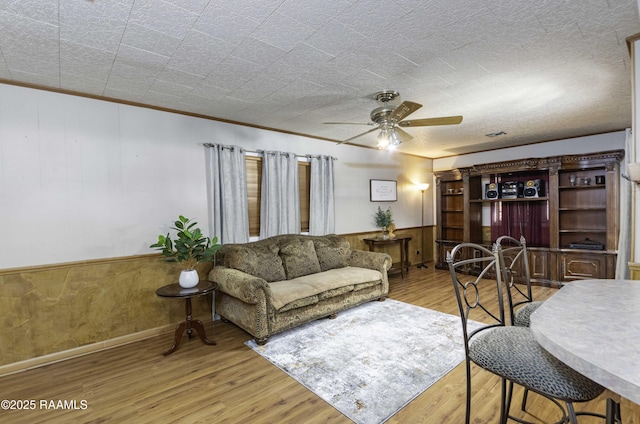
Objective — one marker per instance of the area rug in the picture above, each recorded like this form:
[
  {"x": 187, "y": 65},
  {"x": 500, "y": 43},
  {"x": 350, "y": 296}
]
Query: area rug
[{"x": 371, "y": 360}]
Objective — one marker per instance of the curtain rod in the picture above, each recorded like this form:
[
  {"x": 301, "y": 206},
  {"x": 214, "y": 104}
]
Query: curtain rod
[{"x": 259, "y": 152}]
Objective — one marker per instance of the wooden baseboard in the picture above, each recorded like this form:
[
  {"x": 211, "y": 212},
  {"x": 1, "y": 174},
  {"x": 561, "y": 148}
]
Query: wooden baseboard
[{"x": 52, "y": 358}]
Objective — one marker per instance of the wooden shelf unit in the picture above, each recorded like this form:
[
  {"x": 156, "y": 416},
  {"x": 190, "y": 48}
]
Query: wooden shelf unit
[
  {"x": 451, "y": 210},
  {"x": 581, "y": 197}
]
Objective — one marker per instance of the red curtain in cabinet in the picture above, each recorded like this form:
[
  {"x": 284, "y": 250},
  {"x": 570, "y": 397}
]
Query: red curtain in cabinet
[{"x": 528, "y": 218}]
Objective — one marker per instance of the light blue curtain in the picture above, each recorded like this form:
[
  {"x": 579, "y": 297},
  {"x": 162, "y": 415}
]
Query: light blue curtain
[
  {"x": 624, "y": 242},
  {"x": 227, "y": 193},
  {"x": 280, "y": 195},
  {"x": 321, "y": 205}
]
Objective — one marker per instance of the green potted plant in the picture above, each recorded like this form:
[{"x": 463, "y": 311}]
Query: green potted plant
[
  {"x": 188, "y": 248},
  {"x": 383, "y": 219}
]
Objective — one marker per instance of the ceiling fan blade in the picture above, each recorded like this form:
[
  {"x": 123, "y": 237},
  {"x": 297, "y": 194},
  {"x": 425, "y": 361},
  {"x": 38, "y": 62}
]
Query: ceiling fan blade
[
  {"x": 349, "y": 123},
  {"x": 405, "y": 109},
  {"x": 445, "y": 120},
  {"x": 404, "y": 136},
  {"x": 359, "y": 135}
]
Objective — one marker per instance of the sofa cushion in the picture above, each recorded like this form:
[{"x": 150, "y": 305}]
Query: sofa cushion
[
  {"x": 261, "y": 261},
  {"x": 333, "y": 252},
  {"x": 310, "y": 288},
  {"x": 299, "y": 303},
  {"x": 365, "y": 285},
  {"x": 299, "y": 259}
]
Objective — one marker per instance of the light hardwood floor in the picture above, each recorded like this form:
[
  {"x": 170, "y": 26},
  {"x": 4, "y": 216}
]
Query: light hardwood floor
[{"x": 229, "y": 383}]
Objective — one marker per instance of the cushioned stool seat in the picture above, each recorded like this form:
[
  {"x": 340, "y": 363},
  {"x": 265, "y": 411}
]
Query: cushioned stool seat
[
  {"x": 522, "y": 317},
  {"x": 513, "y": 353}
]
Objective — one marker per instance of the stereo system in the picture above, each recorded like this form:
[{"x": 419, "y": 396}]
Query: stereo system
[
  {"x": 534, "y": 188},
  {"x": 511, "y": 189},
  {"x": 515, "y": 189},
  {"x": 491, "y": 191}
]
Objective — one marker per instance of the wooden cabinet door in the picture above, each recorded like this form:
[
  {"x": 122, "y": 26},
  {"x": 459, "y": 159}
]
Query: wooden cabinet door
[
  {"x": 580, "y": 266},
  {"x": 539, "y": 265}
]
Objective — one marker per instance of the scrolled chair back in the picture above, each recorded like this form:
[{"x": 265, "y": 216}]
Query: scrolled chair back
[
  {"x": 514, "y": 261},
  {"x": 477, "y": 282}
]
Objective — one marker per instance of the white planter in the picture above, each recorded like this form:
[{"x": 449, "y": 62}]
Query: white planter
[{"x": 188, "y": 278}]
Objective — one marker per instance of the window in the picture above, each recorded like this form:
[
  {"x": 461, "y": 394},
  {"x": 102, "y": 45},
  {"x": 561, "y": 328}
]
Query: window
[{"x": 254, "y": 182}]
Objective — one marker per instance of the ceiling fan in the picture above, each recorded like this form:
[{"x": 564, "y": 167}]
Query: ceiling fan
[{"x": 388, "y": 119}]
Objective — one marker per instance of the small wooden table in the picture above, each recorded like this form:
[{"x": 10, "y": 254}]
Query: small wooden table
[
  {"x": 402, "y": 241},
  {"x": 203, "y": 288}
]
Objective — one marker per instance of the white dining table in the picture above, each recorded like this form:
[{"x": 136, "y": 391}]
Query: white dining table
[{"x": 594, "y": 327}]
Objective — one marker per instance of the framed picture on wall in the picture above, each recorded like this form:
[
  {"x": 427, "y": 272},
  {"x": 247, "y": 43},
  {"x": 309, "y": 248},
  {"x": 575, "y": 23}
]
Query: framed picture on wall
[{"x": 383, "y": 190}]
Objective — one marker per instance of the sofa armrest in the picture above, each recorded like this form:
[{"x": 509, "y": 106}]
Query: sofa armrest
[
  {"x": 372, "y": 260},
  {"x": 240, "y": 285}
]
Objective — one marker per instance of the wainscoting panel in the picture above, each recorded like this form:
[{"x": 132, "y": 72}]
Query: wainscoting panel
[{"x": 61, "y": 307}]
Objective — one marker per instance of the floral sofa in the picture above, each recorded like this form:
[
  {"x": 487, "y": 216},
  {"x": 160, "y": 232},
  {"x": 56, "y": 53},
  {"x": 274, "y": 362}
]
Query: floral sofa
[{"x": 277, "y": 283}]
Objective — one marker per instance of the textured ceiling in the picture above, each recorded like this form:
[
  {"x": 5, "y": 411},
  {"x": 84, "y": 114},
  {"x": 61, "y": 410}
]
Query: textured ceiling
[{"x": 536, "y": 69}]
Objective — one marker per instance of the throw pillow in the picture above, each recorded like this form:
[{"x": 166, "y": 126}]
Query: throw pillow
[
  {"x": 299, "y": 259},
  {"x": 333, "y": 252},
  {"x": 260, "y": 261}
]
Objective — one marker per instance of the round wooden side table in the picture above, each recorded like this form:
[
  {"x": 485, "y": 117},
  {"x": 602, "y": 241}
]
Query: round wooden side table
[{"x": 203, "y": 288}]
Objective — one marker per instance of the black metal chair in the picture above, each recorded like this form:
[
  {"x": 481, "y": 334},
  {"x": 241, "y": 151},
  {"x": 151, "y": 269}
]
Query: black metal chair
[
  {"x": 514, "y": 261},
  {"x": 510, "y": 352},
  {"x": 515, "y": 264}
]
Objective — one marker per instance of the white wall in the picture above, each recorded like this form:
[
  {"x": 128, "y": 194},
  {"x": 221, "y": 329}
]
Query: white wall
[{"x": 84, "y": 179}]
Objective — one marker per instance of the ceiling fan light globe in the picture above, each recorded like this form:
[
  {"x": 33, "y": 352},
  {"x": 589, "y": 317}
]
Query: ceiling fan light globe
[
  {"x": 383, "y": 139},
  {"x": 394, "y": 138}
]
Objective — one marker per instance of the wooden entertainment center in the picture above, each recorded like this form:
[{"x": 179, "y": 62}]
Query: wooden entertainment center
[{"x": 567, "y": 207}]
